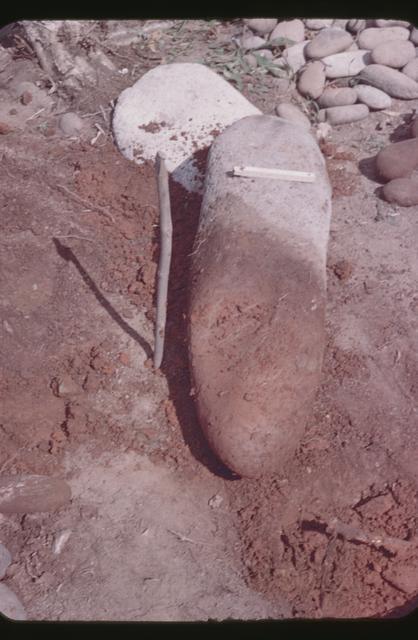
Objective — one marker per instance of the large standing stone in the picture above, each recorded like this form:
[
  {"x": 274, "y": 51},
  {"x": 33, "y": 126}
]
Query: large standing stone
[
  {"x": 344, "y": 115},
  {"x": 262, "y": 26},
  {"x": 345, "y": 64},
  {"x": 398, "y": 160},
  {"x": 10, "y": 605},
  {"x": 394, "y": 53},
  {"x": 374, "y": 98},
  {"x": 337, "y": 97},
  {"x": 291, "y": 29},
  {"x": 327, "y": 42},
  {"x": 5, "y": 560},
  {"x": 411, "y": 69},
  {"x": 311, "y": 80},
  {"x": 370, "y": 38},
  {"x": 291, "y": 112},
  {"x": 393, "y": 82},
  {"x": 32, "y": 494},
  {"x": 177, "y": 109},
  {"x": 256, "y": 347}
]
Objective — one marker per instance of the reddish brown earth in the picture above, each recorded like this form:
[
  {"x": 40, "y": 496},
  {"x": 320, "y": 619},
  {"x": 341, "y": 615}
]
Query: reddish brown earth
[{"x": 78, "y": 251}]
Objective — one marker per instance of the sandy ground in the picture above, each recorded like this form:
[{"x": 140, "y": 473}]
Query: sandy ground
[{"x": 157, "y": 529}]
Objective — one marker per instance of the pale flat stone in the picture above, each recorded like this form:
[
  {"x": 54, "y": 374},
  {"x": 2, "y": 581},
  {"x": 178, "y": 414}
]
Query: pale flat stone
[
  {"x": 176, "y": 109},
  {"x": 346, "y": 64}
]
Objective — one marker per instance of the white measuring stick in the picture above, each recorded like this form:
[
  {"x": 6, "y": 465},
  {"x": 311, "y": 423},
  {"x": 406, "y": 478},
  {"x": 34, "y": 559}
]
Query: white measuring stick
[{"x": 275, "y": 174}]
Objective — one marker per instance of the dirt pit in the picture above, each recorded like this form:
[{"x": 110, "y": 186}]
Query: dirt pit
[{"x": 157, "y": 528}]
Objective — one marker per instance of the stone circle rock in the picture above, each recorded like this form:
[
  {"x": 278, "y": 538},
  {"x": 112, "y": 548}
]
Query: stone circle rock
[
  {"x": 10, "y": 605},
  {"x": 411, "y": 69},
  {"x": 393, "y": 82},
  {"x": 372, "y": 97},
  {"x": 337, "y": 97},
  {"x": 267, "y": 236},
  {"x": 291, "y": 112},
  {"x": 177, "y": 109},
  {"x": 311, "y": 80},
  {"x": 5, "y": 560},
  {"x": 398, "y": 160},
  {"x": 402, "y": 191},
  {"x": 70, "y": 124},
  {"x": 346, "y": 64},
  {"x": 344, "y": 115},
  {"x": 317, "y": 24},
  {"x": 291, "y": 29},
  {"x": 369, "y": 38},
  {"x": 261, "y": 26},
  {"x": 393, "y": 53},
  {"x": 32, "y": 494},
  {"x": 328, "y": 42}
]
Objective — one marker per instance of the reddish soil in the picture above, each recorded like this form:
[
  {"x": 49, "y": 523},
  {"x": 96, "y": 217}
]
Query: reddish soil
[{"x": 79, "y": 252}]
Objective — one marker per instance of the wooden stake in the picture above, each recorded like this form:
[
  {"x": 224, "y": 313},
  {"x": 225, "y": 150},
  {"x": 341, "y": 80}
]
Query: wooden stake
[
  {"x": 166, "y": 232},
  {"x": 275, "y": 174}
]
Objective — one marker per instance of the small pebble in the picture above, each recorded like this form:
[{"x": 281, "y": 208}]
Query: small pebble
[
  {"x": 261, "y": 26},
  {"x": 346, "y": 64},
  {"x": 344, "y": 115},
  {"x": 393, "y": 82},
  {"x": 251, "y": 60},
  {"x": 398, "y": 160},
  {"x": 249, "y": 42},
  {"x": 337, "y": 97},
  {"x": 414, "y": 128},
  {"x": 311, "y": 80},
  {"x": 32, "y": 494},
  {"x": 5, "y": 560},
  {"x": 70, "y": 124},
  {"x": 393, "y": 53},
  {"x": 291, "y": 29},
  {"x": 402, "y": 191},
  {"x": 26, "y": 97},
  {"x": 327, "y": 42},
  {"x": 290, "y": 112},
  {"x": 315, "y": 25},
  {"x": 374, "y": 98},
  {"x": 411, "y": 69},
  {"x": 370, "y": 38},
  {"x": 10, "y": 605}
]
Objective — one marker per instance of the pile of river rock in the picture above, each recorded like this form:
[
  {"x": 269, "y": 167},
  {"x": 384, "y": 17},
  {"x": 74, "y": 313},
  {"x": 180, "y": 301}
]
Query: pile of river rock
[
  {"x": 349, "y": 68},
  {"x": 380, "y": 54}
]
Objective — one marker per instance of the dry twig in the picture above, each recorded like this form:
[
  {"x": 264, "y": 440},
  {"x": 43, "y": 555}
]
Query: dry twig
[{"x": 166, "y": 232}]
